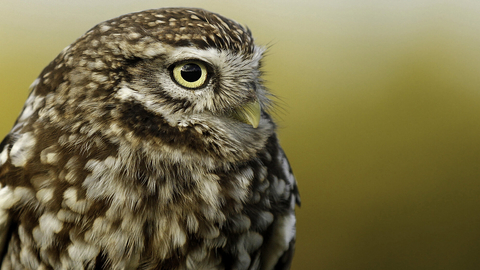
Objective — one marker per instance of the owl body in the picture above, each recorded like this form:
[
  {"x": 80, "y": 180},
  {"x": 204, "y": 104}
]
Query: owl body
[{"x": 146, "y": 144}]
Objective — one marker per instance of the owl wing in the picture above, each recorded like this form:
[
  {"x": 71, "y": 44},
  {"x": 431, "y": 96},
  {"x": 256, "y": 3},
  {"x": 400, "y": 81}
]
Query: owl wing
[
  {"x": 5, "y": 231},
  {"x": 278, "y": 252},
  {"x": 5, "y": 202}
]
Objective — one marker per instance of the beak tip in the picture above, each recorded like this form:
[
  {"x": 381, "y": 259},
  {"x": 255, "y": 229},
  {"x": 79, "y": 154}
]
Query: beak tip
[
  {"x": 256, "y": 123},
  {"x": 249, "y": 114}
]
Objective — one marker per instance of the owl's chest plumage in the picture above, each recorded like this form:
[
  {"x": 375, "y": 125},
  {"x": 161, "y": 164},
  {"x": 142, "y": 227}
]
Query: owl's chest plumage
[{"x": 126, "y": 210}]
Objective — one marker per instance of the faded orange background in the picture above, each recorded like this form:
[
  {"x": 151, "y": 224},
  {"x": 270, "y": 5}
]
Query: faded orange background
[{"x": 379, "y": 113}]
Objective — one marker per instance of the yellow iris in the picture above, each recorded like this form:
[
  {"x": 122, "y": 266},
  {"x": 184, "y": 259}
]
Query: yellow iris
[{"x": 190, "y": 74}]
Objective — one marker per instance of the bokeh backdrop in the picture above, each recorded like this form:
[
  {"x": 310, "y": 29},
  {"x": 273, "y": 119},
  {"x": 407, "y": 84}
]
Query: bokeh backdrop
[{"x": 378, "y": 106}]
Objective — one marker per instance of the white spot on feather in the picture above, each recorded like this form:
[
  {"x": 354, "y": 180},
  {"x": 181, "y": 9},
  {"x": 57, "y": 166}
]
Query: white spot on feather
[
  {"x": 71, "y": 200},
  {"x": 45, "y": 195},
  {"x": 286, "y": 168},
  {"x": 22, "y": 149},
  {"x": 48, "y": 155},
  {"x": 68, "y": 216},
  {"x": 4, "y": 155},
  {"x": 9, "y": 197},
  {"x": 280, "y": 186},
  {"x": 104, "y": 28},
  {"x": 209, "y": 188},
  {"x": 98, "y": 77},
  {"x": 27, "y": 112},
  {"x": 178, "y": 235},
  {"x": 7, "y": 200},
  {"x": 49, "y": 223},
  {"x": 82, "y": 252},
  {"x": 153, "y": 50},
  {"x": 133, "y": 35},
  {"x": 28, "y": 258},
  {"x": 283, "y": 233},
  {"x": 32, "y": 104},
  {"x": 126, "y": 93},
  {"x": 35, "y": 82}
]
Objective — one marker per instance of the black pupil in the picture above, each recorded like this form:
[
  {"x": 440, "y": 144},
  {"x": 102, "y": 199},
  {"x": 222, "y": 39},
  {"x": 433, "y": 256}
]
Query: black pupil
[{"x": 191, "y": 72}]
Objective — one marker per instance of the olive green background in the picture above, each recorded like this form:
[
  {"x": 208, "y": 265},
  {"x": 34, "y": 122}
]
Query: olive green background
[{"x": 378, "y": 107}]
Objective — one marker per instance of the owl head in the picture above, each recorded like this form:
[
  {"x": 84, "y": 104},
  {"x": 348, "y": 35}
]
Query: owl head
[{"x": 184, "y": 84}]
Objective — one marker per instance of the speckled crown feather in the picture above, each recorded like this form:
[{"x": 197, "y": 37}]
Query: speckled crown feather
[{"x": 176, "y": 27}]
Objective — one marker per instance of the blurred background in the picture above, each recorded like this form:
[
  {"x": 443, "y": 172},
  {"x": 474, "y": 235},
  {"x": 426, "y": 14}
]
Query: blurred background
[{"x": 379, "y": 113}]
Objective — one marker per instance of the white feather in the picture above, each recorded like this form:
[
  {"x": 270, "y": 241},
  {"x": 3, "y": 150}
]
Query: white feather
[
  {"x": 283, "y": 233},
  {"x": 6, "y": 202},
  {"x": 22, "y": 149}
]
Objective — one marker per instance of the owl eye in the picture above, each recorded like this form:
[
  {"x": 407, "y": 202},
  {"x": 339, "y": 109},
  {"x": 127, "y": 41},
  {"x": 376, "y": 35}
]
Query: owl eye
[{"x": 190, "y": 74}]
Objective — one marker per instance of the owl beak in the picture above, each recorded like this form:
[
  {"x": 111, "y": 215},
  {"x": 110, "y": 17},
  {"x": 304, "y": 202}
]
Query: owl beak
[{"x": 248, "y": 113}]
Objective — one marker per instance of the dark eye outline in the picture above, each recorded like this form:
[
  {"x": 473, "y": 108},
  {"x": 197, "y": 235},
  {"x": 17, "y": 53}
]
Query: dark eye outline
[{"x": 176, "y": 68}]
